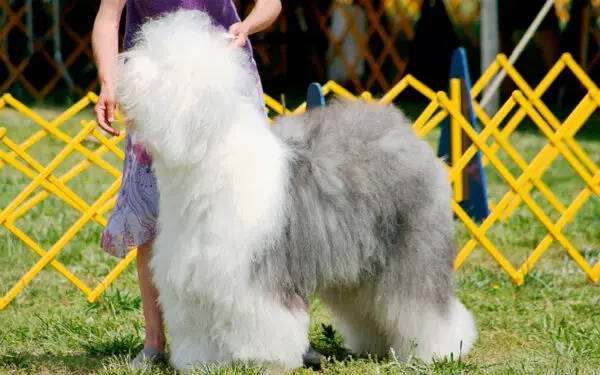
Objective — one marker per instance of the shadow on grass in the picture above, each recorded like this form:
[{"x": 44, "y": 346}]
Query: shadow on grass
[
  {"x": 74, "y": 363},
  {"x": 118, "y": 345},
  {"x": 96, "y": 353}
]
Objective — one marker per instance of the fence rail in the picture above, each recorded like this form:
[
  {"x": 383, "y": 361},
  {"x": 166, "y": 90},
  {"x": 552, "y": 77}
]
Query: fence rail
[{"x": 490, "y": 141}]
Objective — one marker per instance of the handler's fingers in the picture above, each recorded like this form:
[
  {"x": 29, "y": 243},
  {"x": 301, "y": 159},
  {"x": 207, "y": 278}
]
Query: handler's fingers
[
  {"x": 239, "y": 42},
  {"x": 101, "y": 112}
]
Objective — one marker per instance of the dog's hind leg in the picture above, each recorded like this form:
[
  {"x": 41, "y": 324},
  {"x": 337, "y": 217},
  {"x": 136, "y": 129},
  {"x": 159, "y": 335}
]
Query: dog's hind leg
[
  {"x": 418, "y": 303},
  {"x": 376, "y": 323},
  {"x": 430, "y": 331}
]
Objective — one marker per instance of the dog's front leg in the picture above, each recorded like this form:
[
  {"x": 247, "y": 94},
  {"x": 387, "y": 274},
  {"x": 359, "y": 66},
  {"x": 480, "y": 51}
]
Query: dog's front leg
[
  {"x": 267, "y": 330},
  {"x": 188, "y": 324}
]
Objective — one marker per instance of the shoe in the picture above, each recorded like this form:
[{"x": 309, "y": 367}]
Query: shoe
[
  {"x": 148, "y": 356},
  {"x": 312, "y": 359}
]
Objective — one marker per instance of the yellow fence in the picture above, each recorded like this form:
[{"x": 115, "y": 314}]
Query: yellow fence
[{"x": 524, "y": 102}]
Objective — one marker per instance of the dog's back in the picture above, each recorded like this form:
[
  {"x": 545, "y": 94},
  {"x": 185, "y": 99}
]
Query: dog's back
[{"x": 369, "y": 202}]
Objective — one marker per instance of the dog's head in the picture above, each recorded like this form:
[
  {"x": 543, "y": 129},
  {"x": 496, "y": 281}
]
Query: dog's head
[{"x": 181, "y": 85}]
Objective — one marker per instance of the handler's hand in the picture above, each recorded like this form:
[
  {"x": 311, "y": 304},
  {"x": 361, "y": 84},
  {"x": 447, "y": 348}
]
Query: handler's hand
[
  {"x": 105, "y": 109},
  {"x": 240, "y": 31}
]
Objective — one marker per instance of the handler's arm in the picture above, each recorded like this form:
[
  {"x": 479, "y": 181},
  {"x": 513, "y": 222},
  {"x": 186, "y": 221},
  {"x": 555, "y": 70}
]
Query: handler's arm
[
  {"x": 263, "y": 15},
  {"x": 105, "y": 44}
]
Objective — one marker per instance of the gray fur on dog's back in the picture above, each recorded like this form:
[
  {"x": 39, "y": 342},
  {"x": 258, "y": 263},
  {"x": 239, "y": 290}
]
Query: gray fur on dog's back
[{"x": 368, "y": 203}]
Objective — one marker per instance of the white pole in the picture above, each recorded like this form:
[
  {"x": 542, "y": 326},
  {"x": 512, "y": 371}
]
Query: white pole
[
  {"x": 489, "y": 47},
  {"x": 492, "y": 89}
]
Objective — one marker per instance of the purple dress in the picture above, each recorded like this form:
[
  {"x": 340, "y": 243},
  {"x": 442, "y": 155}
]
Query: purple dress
[{"x": 133, "y": 220}]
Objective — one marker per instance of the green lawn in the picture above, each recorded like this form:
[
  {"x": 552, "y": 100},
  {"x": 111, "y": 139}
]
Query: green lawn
[{"x": 549, "y": 325}]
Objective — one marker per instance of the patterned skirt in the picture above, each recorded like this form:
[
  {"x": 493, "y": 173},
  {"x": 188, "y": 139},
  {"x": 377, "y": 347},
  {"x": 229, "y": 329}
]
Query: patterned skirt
[{"x": 133, "y": 220}]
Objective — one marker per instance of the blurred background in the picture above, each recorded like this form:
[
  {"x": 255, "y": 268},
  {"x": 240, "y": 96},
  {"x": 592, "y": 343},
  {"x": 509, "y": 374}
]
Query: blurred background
[{"x": 45, "y": 49}]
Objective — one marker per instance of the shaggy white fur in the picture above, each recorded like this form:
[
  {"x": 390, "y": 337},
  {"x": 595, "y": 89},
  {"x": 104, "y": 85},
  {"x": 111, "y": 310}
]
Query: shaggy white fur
[{"x": 345, "y": 202}]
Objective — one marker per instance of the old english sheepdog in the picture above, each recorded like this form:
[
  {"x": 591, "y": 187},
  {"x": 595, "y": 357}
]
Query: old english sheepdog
[{"x": 345, "y": 202}]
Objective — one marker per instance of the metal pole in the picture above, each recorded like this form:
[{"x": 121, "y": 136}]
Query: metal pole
[
  {"x": 489, "y": 37},
  {"x": 516, "y": 52}
]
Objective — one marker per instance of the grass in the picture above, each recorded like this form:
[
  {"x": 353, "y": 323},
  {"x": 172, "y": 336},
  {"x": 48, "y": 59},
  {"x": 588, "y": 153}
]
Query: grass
[{"x": 547, "y": 326}]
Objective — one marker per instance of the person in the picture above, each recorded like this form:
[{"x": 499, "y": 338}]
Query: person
[{"x": 133, "y": 221}]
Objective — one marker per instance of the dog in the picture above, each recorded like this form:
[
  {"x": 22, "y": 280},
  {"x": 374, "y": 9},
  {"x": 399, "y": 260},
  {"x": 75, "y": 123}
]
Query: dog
[{"x": 343, "y": 202}]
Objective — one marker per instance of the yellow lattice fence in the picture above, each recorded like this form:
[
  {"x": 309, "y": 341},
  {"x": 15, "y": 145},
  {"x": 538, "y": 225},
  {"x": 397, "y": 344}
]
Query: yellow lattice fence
[{"x": 45, "y": 182}]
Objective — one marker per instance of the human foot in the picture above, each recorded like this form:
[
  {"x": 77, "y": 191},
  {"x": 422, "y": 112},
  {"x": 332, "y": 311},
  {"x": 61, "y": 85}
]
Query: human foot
[
  {"x": 312, "y": 359},
  {"x": 148, "y": 356}
]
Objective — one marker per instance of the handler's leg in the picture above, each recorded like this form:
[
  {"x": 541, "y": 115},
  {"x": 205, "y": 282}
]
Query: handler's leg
[{"x": 154, "y": 342}]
